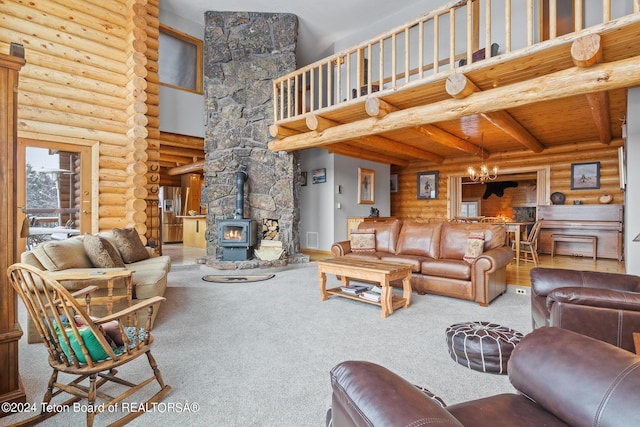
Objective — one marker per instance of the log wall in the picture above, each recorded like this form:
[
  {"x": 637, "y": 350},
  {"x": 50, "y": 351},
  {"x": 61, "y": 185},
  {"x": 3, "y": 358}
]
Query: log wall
[
  {"x": 405, "y": 204},
  {"x": 91, "y": 73}
]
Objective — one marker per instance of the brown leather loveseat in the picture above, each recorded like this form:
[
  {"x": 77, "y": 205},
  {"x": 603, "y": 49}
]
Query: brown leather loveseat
[
  {"x": 436, "y": 253},
  {"x": 605, "y": 306},
  {"x": 561, "y": 379}
]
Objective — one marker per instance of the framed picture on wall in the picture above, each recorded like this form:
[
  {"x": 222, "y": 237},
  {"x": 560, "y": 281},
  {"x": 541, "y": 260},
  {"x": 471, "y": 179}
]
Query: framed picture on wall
[
  {"x": 319, "y": 176},
  {"x": 366, "y": 186},
  {"x": 393, "y": 185},
  {"x": 585, "y": 176},
  {"x": 428, "y": 185}
]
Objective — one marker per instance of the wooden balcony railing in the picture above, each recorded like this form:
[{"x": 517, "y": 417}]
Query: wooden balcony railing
[{"x": 455, "y": 35}]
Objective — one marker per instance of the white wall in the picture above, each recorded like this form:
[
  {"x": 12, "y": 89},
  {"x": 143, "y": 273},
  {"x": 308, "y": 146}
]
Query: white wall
[
  {"x": 318, "y": 203},
  {"x": 632, "y": 195},
  {"x": 182, "y": 112}
]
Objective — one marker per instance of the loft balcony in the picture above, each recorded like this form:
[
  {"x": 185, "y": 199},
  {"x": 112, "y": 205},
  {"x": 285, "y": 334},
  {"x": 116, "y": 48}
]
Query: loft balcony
[{"x": 471, "y": 76}]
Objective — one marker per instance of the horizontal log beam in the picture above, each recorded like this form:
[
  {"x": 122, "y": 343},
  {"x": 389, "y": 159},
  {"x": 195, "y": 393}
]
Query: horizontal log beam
[
  {"x": 376, "y": 107},
  {"x": 192, "y": 167},
  {"x": 561, "y": 84},
  {"x": 459, "y": 87},
  {"x": 349, "y": 150}
]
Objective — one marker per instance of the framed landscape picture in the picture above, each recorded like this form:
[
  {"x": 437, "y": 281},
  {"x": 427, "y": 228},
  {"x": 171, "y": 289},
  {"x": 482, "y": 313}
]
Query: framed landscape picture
[
  {"x": 585, "y": 176},
  {"x": 428, "y": 185},
  {"x": 319, "y": 176}
]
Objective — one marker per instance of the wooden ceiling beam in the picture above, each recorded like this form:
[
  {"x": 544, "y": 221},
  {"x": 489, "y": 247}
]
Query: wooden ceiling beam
[
  {"x": 392, "y": 146},
  {"x": 459, "y": 87},
  {"x": 376, "y": 107},
  {"x": 345, "y": 149},
  {"x": 560, "y": 84},
  {"x": 191, "y": 167},
  {"x": 277, "y": 131},
  {"x": 318, "y": 123},
  {"x": 585, "y": 52}
]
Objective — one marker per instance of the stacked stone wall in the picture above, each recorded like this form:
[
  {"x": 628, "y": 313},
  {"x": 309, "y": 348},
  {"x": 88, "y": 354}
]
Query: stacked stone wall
[{"x": 243, "y": 53}]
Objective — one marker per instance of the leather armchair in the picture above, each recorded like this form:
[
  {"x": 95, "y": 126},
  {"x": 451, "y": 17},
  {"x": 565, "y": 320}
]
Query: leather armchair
[
  {"x": 561, "y": 378},
  {"x": 605, "y": 306}
]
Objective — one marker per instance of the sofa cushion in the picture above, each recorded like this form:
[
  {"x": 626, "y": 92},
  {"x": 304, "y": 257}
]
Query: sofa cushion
[
  {"x": 419, "y": 238},
  {"x": 449, "y": 268},
  {"x": 475, "y": 246},
  {"x": 129, "y": 245},
  {"x": 101, "y": 252},
  {"x": 386, "y": 233},
  {"x": 62, "y": 254},
  {"x": 363, "y": 240}
]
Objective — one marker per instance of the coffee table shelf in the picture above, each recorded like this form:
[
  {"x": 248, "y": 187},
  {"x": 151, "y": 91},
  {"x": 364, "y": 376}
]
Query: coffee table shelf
[
  {"x": 396, "y": 302},
  {"x": 374, "y": 271}
]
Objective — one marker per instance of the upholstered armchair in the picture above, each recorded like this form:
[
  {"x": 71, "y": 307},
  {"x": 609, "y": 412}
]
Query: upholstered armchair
[
  {"x": 605, "y": 306},
  {"x": 559, "y": 379}
]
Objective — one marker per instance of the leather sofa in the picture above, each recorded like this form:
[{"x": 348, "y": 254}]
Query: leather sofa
[
  {"x": 149, "y": 275},
  {"x": 605, "y": 306},
  {"x": 560, "y": 378},
  {"x": 436, "y": 253}
]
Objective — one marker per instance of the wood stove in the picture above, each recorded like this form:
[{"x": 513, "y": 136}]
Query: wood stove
[{"x": 237, "y": 237}]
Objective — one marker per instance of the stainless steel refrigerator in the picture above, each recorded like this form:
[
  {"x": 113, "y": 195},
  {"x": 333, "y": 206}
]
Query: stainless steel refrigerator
[{"x": 171, "y": 198}]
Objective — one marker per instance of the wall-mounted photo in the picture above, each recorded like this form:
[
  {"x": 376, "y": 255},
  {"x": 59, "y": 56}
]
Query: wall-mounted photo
[
  {"x": 366, "y": 186},
  {"x": 428, "y": 185},
  {"x": 319, "y": 176},
  {"x": 585, "y": 176},
  {"x": 393, "y": 185}
]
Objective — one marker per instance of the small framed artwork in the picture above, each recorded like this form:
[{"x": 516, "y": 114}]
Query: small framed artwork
[
  {"x": 393, "y": 185},
  {"x": 319, "y": 176},
  {"x": 428, "y": 185},
  {"x": 303, "y": 178},
  {"x": 366, "y": 186},
  {"x": 585, "y": 176}
]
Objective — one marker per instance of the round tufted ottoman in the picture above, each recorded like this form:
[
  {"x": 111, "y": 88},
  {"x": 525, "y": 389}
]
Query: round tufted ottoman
[{"x": 482, "y": 346}]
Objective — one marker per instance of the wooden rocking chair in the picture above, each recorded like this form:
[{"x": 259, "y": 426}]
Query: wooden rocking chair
[{"x": 85, "y": 347}]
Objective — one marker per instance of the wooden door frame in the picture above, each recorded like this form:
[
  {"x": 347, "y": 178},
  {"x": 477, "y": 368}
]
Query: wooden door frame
[
  {"x": 543, "y": 186},
  {"x": 89, "y": 156}
]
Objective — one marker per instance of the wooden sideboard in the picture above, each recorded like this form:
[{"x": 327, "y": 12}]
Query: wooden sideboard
[{"x": 605, "y": 222}]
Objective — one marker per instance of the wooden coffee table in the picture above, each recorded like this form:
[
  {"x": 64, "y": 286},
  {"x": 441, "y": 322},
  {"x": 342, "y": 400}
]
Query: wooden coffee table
[{"x": 381, "y": 272}]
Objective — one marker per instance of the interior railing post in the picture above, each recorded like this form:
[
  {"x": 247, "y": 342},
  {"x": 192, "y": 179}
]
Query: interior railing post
[
  {"x": 553, "y": 19},
  {"x": 507, "y": 27},
  {"x": 436, "y": 44},
  {"x": 487, "y": 48}
]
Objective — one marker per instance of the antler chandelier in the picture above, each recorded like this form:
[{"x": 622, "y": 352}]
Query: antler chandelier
[{"x": 484, "y": 174}]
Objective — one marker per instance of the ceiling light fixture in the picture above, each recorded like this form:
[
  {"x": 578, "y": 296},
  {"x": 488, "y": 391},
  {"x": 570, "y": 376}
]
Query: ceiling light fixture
[{"x": 483, "y": 174}]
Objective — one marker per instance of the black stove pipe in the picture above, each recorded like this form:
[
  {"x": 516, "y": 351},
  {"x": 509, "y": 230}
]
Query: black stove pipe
[{"x": 241, "y": 177}]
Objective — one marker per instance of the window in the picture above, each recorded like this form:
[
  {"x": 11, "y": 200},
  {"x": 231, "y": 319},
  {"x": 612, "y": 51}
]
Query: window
[
  {"x": 180, "y": 60},
  {"x": 470, "y": 209}
]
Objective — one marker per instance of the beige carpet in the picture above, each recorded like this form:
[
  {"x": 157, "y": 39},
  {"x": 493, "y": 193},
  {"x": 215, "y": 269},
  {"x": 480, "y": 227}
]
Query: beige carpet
[{"x": 259, "y": 354}]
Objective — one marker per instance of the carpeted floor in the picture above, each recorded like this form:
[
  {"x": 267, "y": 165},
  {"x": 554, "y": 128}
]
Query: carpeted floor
[{"x": 259, "y": 354}]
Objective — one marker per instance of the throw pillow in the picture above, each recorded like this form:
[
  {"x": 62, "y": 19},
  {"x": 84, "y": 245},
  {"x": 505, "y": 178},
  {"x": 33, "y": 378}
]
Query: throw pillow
[
  {"x": 95, "y": 349},
  {"x": 475, "y": 246},
  {"x": 363, "y": 240},
  {"x": 129, "y": 245},
  {"x": 101, "y": 252},
  {"x": 57, "y": 255}
]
